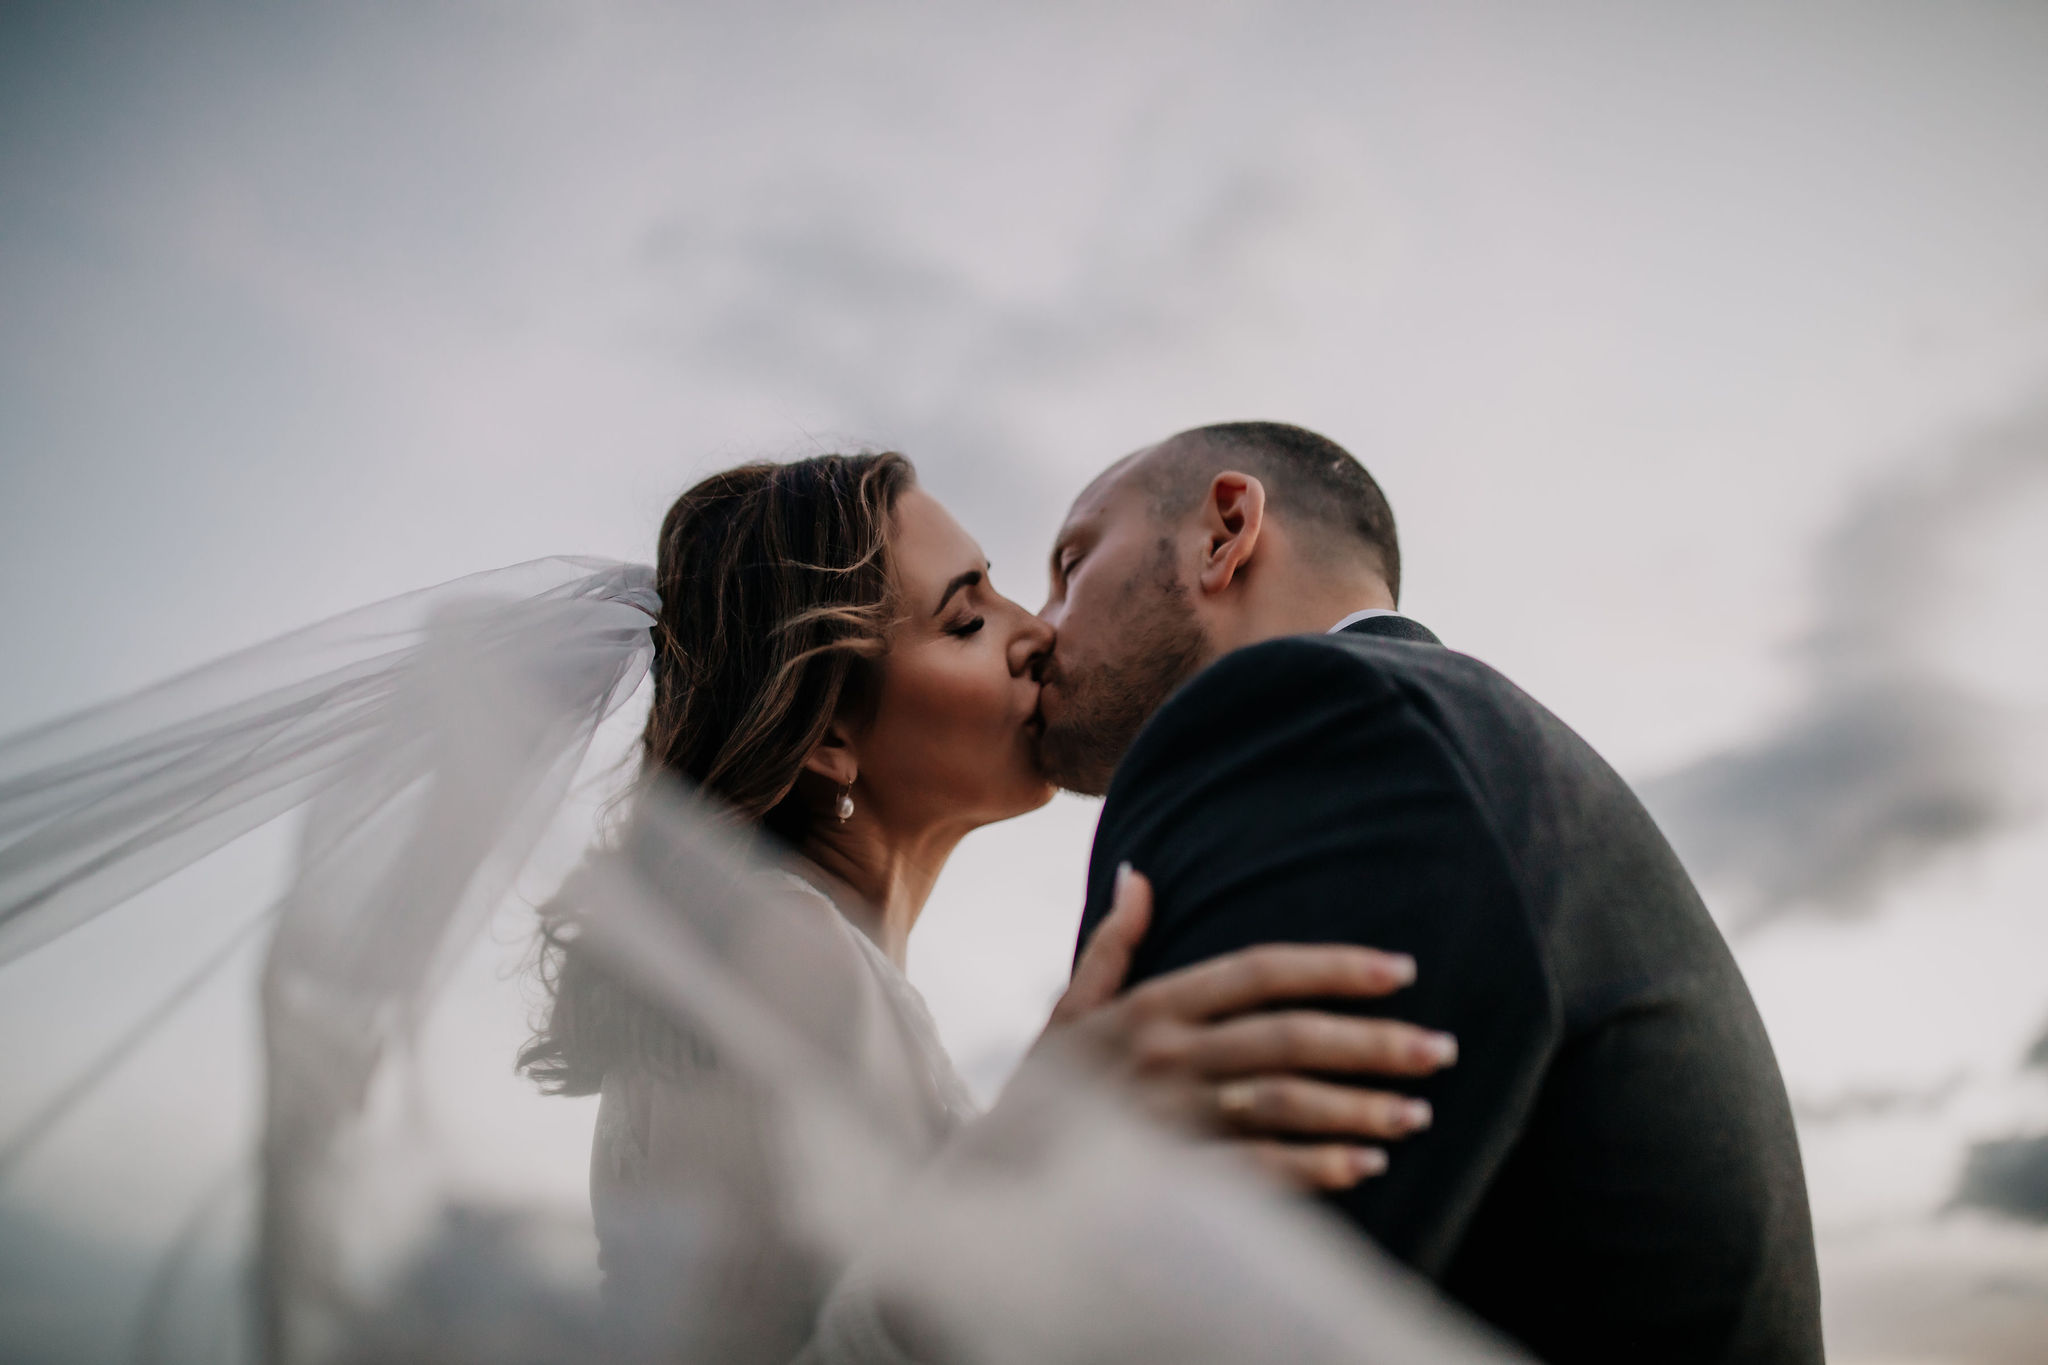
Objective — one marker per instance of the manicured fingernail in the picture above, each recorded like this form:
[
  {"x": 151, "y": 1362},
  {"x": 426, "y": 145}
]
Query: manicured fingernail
[
  {"x": 1438, "y": 1048},
  {"x": 1123, "y": 878},
  {"x": 1416, "y": 1114},
  {"x": 1368, "y": 1161},
  {"x": 1402, "y": 967}
]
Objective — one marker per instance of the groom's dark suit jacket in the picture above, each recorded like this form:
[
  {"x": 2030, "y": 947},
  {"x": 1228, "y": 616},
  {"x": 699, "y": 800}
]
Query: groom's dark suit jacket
[{"x": 1612, "y": 1174}]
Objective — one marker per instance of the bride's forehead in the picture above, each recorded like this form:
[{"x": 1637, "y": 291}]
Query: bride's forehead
[{"x": 927, "y": 540}]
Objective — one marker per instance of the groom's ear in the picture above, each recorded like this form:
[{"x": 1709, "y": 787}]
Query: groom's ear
[{"x": 1233, "y": 513}]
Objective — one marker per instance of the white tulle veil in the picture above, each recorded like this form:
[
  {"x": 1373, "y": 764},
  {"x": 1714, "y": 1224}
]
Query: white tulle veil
[{"x": 403, "y": 1195}]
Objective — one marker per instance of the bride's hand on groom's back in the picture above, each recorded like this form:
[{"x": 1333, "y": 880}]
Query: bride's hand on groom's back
[{"x": 1212, "y": 1045}]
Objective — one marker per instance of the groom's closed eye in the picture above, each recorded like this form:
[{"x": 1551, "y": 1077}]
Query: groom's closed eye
[{"x": 1063, "y": 562}]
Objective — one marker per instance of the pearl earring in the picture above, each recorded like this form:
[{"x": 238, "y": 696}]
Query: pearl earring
[{"x": 844, "y": 810}]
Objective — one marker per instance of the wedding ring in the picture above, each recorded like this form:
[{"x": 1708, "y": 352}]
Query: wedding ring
[{"x": 1236, "y": 1099}]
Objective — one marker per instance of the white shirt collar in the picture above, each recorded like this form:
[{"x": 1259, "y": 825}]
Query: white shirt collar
[{"x": 1360, "y": 616}]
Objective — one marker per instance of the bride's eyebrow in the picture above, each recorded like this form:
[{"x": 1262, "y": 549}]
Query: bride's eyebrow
[{"x": 965, "y": 580}]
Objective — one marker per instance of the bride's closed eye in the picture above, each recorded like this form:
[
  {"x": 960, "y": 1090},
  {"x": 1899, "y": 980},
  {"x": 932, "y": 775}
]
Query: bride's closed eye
[{"x": 966, "y": 628}]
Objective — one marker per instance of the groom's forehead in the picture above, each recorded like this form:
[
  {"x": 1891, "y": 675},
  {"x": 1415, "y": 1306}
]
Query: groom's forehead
[{"x": 1114, "y": 490}]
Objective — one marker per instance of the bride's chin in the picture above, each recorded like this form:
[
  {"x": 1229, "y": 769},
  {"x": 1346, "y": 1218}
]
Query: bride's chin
[{"x": 1032, "y": 793}]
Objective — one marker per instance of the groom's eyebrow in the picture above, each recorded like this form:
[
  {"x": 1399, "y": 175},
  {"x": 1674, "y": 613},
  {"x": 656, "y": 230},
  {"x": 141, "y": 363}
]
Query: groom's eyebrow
[{"x": 965, "y": 580}]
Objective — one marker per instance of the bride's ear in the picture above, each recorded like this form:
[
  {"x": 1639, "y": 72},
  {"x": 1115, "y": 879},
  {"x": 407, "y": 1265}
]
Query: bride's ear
[{"x": 832, "y": 757}]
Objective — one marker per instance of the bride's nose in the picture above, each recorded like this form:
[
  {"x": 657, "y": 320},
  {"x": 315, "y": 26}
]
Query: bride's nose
[{"x": 1030, "y": 641}]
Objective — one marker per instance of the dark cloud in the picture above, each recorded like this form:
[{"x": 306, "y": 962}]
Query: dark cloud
[
  {"x": 2008, "y": 1176},
  {"x": 1866, "y": 1102},
  {"x": 1884, "y": 763},
  {"x": 1851, "y": 791},
  {"x": 480, "y": 1289},
  {"x": 840, "y": 313},
  {"x": 823, "y": 295},
  {"x": 68, "y": 1297}
]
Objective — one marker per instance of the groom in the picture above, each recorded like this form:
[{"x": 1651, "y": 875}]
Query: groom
[{"x": 1612, "y": 1174}]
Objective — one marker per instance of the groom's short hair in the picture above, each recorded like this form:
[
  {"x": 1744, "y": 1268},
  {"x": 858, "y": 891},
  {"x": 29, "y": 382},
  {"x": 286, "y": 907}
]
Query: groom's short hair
[{"x": 1316, "y": 484}]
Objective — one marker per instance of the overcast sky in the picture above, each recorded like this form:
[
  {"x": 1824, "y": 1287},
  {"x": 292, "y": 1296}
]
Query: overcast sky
[{"x": 1702, "y": 351}]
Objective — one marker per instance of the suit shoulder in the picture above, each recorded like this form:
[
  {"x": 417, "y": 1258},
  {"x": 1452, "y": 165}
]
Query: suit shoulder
[
  {"x": 1291, "y": 663},
  {"x": 1295, "y": 668},
  {"x": 1319, "y": 694},
  {"x": 1242, "y": 701}
]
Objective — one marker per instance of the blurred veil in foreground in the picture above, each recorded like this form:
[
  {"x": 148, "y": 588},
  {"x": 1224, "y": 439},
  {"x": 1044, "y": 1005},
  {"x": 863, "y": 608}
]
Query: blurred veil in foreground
[{"x": 432, "y": 745}]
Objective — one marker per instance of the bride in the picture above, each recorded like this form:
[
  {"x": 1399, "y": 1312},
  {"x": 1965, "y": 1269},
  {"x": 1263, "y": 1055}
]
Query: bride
[{"x": 839, "y": 686}]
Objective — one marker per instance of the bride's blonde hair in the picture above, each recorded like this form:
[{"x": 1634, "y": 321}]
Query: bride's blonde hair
[{"x": 776, "y": 601}]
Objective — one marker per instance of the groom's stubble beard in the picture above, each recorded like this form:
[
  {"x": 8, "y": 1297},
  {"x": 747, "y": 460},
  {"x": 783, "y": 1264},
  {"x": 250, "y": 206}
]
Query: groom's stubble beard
[{"x": 1105, "y": 702}]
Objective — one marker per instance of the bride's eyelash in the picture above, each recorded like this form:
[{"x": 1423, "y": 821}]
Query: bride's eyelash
[{"x": 966, "y": 628}]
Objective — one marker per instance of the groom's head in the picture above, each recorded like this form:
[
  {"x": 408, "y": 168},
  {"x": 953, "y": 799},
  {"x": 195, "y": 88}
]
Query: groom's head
[{"x": 1213, "y": 539}]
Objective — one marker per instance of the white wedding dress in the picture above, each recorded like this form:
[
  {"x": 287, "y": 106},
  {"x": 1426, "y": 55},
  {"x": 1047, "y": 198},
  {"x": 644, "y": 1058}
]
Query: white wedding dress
[
  {"x": 685, "y": 1145},
  {"x": 815, "y": 1185}
]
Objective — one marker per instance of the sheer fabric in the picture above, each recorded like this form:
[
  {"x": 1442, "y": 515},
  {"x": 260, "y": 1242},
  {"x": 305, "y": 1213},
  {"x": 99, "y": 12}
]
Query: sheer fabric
[
  {"x": 98, "y": 805},
  {"x": 814, "y": 1186}
]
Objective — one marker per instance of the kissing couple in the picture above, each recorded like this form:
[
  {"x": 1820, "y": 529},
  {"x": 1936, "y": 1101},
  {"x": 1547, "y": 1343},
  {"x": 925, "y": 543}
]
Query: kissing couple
[
  {"x": 1356, "y": 906},
  {"x": 1532, "y": 1070}
]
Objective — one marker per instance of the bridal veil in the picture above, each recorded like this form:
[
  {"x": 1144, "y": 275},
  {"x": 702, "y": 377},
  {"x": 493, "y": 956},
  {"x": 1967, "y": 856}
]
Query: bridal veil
[{"x": 443, "y": 763}]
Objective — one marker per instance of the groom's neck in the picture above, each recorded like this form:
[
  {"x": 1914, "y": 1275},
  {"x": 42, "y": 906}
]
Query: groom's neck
[{"x": 1302, "y": 598}]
